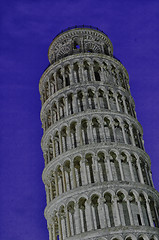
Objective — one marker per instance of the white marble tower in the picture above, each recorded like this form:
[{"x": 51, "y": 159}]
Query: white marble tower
[{"x": 97, "y": 174}]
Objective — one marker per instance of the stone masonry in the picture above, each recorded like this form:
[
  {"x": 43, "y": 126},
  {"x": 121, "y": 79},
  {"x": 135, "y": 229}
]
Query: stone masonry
[{"x": 97, "y": 174}]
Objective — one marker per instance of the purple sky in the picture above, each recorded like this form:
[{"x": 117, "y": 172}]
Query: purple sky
[{"x": 26, "y": 31}]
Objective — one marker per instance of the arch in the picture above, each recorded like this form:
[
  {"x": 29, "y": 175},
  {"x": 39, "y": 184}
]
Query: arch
[
  {"x": 61, "y": 107},
  {"x": 109, "y": 136},
  {"x": 115, "y": 166},
  {"x": 77, "y": 169},
  {"x": 80, "y": 101},
  {"x": 73, "y": 134},
  {"x": 76, "y": 72},
  {"x": 118, "y": 131},
  {"x": 133, "y": 199},
  {"x": 108, "y": 205},
  {"x": 89, "y": 167},
  {"x": 127, "y": 132},
  {"x": 71, "y": 218},
  {"x": 112, "y": 101},
  {"x": 102, "y": 99},
  {"x": 67, "y": 75},
  {"x": 82, "y": 208},
  {"x": 84, "y": 130},
  {"x": 70, "y": 103},
  {"x": 67, "y": 175},
  {"x": 91, "y": 99},
  {"x": 123, "y": 208},
  {"x": 96, "y": 130},
  {"x": 95, "y": 211},
  {"x": 125, "y": 166},
  {"x": 120, "y": 102},
  {"x": 103, "y": 168},
  {"x": 86, "y": 71},
  {"x": 97, "y": 70},
  {"x": 154, "y": 214},
  {"x": 135, "y": 168},
  {"x": 64, "y": 139},
  {"x": 59, "y": 78}
]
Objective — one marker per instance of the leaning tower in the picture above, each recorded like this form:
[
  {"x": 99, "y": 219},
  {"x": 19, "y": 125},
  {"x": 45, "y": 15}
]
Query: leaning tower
[{"x": 97, "y": 174}]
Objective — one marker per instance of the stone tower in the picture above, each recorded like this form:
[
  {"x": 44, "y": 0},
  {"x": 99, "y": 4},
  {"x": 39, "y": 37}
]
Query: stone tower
[{"x": 97, "y": 174}]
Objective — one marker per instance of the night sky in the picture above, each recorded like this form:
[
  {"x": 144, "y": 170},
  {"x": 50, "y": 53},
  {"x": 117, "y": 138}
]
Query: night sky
[{"x": 26, "y": 31}]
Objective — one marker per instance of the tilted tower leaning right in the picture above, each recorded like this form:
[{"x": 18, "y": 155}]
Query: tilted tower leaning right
[{"x": 97, "y": 174}]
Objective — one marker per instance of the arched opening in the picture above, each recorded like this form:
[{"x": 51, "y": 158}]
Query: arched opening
[
  {"x": 59, "y": 180},
  {"x": 153, "y": 209},
  {"x": 102, "y": 100},
  {"x": 108, "y": 204},
  {"x": 120, "y": 102},
  {"x": 97, "y": 71},
  {"x": 144, "y": 210},
  {"x": 112, "y": 101},
  {"x": 59, "y": 78},
  {"x": 127, "y": 132},
  {"x": 118, "y": 131},
  {"x": 73, "y": 134},
  {"x": 134, "y": 209},
  {"x": 70, "y": 104},
  {"x": 125, "y": 166},
  {"x": 61, "y": 108},
  {"x": 108, "y": 130},
  {"x": 71, "y": 214},
  {"x": 84, "y": 129},
  {"x": 91, "y": 100},
  {"x": 96, "y": 130},
  {"x": 82, "y": 208},
  {"x": 57, "y": 144},
  {"x": 80, "y": 101},
  {"x": 86, "y": 72},
  {"x": 95, "y": 212},
  {"x": 64, "y": 139},
  {"x": 67, "y": 76},
  {"x": 102, "y": 167},
  {"x": 76, "y": 73},
  {"x": 67, "y": 171},
  {"x": 115, "y": 167},
  {"x": 89, "y": 168},
  {"x": 77, "y": 168},
  {"x": 135, "y": 168},
  {"x": 123, "y": 210}
]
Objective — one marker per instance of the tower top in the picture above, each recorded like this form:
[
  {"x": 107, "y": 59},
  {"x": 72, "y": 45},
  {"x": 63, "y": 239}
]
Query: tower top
[{"x": 79, "y": 39}]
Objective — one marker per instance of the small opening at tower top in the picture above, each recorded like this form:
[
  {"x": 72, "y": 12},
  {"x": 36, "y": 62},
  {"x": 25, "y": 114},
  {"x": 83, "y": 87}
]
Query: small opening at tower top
[{"x": 76, "y": 45}]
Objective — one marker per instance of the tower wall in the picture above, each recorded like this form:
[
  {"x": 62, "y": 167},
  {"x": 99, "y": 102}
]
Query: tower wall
[{"x": 97, "y": 174}]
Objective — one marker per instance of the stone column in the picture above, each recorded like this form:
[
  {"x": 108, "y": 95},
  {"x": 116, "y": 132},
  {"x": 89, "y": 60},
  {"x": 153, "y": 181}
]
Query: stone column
[
  {"x": 77, "y": 219},
  {"x": 139, "y": 171},
  {"x": 130, "y": 212},
  {"x": 117, "y": 216},
  {"x": 131, "y": 168},
  {"x": 60, "y": 227},
  {"x": 121, "y": 169},
  {"x": 132, "y": 135},
  {"x": 149, "y": 213},
  {"x": 110, "y": 175},
  {"x": 89, "y": 217},
  {"x": 84, "y": 172},
  {"x": 73, "y": 180},
  {"x": 102, "y": 212}
]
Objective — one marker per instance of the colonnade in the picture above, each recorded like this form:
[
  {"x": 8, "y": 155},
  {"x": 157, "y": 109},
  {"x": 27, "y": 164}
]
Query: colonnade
[
  {"x": 89, "y": 131},
  {"x": 95, "y": 168},
  {"x": 83, "y": 100},
  {"x": 99, "y": 211},
  {"x": 82, "y": 72}
]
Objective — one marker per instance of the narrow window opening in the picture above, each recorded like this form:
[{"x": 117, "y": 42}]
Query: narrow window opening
[{"x": 139, "y": 219}]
